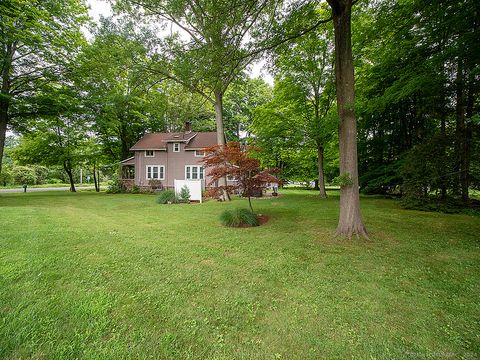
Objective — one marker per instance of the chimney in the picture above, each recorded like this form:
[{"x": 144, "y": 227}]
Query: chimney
[{"x": 188, "y": 127}]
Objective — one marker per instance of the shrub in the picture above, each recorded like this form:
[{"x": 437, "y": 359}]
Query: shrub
[
  {"x": 184, "y": 195},
  {"x": 115, "y": 187},
  {"x": 6, "y": 177},
  {"x": 24, "y": 175},
  {"x": 41, "y": 174},
  {"x": 238, "y": 217},
  {"x": 166, "y": 196},
  {"x": 135, "y": 189}
]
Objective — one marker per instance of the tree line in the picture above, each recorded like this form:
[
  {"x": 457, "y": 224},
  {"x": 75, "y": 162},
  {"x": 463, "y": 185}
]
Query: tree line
[{"x": 414, "y": 114}]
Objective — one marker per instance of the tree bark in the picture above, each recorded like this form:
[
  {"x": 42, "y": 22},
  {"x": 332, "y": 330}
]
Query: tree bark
[
  {"x": 350, "y": 220},
  {"x": 461, "y": 141},
  {"x": 5, "y": 96},
  {"x": 220, "y": 138},
  {"x": 443, "y": 133},
  {"x": 3, "y": 128},
  {"x": 68, "y": 169},
  {"x": 97, "y": 187},
  {"x": 321, "y": 175},
  {"x": 98, "y": 180}
]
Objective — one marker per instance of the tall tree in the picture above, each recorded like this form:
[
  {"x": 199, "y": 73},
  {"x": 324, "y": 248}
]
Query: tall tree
[
  {"x": 287, "y": 132},
  {"x": 37, "y": 41},
  {"x": 241, "y": 100},
  {"x": 416, "y": 76},
  {"x": 121, "y": 100},
  {"x": 308, "y": 62},
  {"x": 218, "y": 38},
  {"x": 350, "y": 221},
  {"x": 58, "y": 138}
]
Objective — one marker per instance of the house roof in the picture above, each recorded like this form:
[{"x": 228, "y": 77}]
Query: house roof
[
  {"x": 129, "y": 161},
  {"x": 193, "y": 140},
  {"x": 203, "y": 139}
]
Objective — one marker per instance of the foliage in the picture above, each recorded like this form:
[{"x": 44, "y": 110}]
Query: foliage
[
  {"x": 238, "y": 217},
  {"x": 343, "y": 180},
  {"x": 416, "y": 86},
  {"x": 424, "y": 169},
  {"x": 288, "y": 132},
  {"x": 184, "y": 195},
  {"x": 241, "y": 100},
  {"x": 38, "y": 44},
  {"x": 56, "y": 139},
  {"x": 119, "y": 96},
  {"x": 167, "y": 196},
  {"x": 24, "y": 175},
  {"x": 6, "y": 177},
  {"x": 382, "y": 179},
  {"x": 230, "y": 160},
  {"x": 116, "y": 187},
  {"x": 448, "y": 205}
]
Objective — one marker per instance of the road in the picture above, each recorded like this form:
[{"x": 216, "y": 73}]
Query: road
[{"x": 31, "y": 189}]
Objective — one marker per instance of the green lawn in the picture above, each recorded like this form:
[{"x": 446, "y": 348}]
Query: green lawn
[{"x": 91, "y": 275}]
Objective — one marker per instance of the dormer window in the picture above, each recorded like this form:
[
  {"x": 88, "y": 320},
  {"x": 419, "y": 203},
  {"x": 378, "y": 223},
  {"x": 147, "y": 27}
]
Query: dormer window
[
  {"x": 149, "y": 153},
  {"x": 176, "y": 147}
]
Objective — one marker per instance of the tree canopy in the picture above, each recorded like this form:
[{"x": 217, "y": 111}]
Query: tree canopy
[{"x": 380, "y": 97}]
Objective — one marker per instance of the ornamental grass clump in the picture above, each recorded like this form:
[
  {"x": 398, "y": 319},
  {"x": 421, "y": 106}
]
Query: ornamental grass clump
[
  {"x": 239, "y": 218},
  {"x": 166, "y": 197}
]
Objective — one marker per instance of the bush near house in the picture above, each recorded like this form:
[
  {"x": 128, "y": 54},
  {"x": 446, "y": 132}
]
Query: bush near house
[
  {"x": 184, "y": 195},
  {"x": 166, "y": 196}
]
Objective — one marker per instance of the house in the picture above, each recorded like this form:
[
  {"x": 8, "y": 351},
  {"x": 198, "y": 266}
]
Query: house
[{"x": 162, "y": 158}]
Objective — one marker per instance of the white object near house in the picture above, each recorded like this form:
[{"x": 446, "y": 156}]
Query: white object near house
[{"x": 194, "y": 186}]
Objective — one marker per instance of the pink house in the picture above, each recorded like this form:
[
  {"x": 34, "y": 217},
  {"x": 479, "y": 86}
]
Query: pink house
[{"x": 162, "y": 158}]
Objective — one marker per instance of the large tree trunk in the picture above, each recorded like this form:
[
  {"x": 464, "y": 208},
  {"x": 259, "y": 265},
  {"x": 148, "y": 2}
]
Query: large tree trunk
[
  {"x": 443, "y": 133},
  {"x": 321, "y": 176},
  {"x": 6, "y": 65},
  {"x": 68, "y": 169},
  {"x": 3, "y": 128},
  {"x": 95, "y": 180},
  {"x": 350, "y": 221},
  {"x": 461, "y": 141},
  {"x": 220, "y": 137}
]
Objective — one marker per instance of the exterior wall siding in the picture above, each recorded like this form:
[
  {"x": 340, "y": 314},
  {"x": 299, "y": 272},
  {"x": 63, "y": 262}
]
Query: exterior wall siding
[{"x": 174, "y": 163}]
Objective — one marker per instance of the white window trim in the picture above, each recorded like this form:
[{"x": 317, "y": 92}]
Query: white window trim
[
  {"x": 198, "y": 172},
  {"x": 195, "y": 154},
  {"x": 174, "y": 144},
  {"x": 149, "y": 155},
  {"x": 159, "y": 172}
]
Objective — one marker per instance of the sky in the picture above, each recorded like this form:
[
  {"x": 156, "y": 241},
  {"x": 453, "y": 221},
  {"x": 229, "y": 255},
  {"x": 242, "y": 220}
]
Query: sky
[{"x": 102, "y": 8}]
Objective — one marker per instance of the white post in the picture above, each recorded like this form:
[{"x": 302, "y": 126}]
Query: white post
[{"x": 81, "y": 176}]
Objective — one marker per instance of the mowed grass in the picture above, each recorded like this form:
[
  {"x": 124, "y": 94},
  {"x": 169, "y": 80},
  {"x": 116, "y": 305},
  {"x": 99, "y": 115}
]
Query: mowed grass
[{"x": 101, "y": 276}]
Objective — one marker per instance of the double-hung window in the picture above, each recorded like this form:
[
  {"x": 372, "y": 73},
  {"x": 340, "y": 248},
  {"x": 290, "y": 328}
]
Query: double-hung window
[
  {"x": 176, "y": 147},
  {"x": 155, "y": 172},
  {"x": 193, "y": 172}
]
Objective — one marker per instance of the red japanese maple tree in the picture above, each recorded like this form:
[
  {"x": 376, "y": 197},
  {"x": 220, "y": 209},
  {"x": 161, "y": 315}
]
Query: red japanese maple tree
[{"x": 232, "y": 161}]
